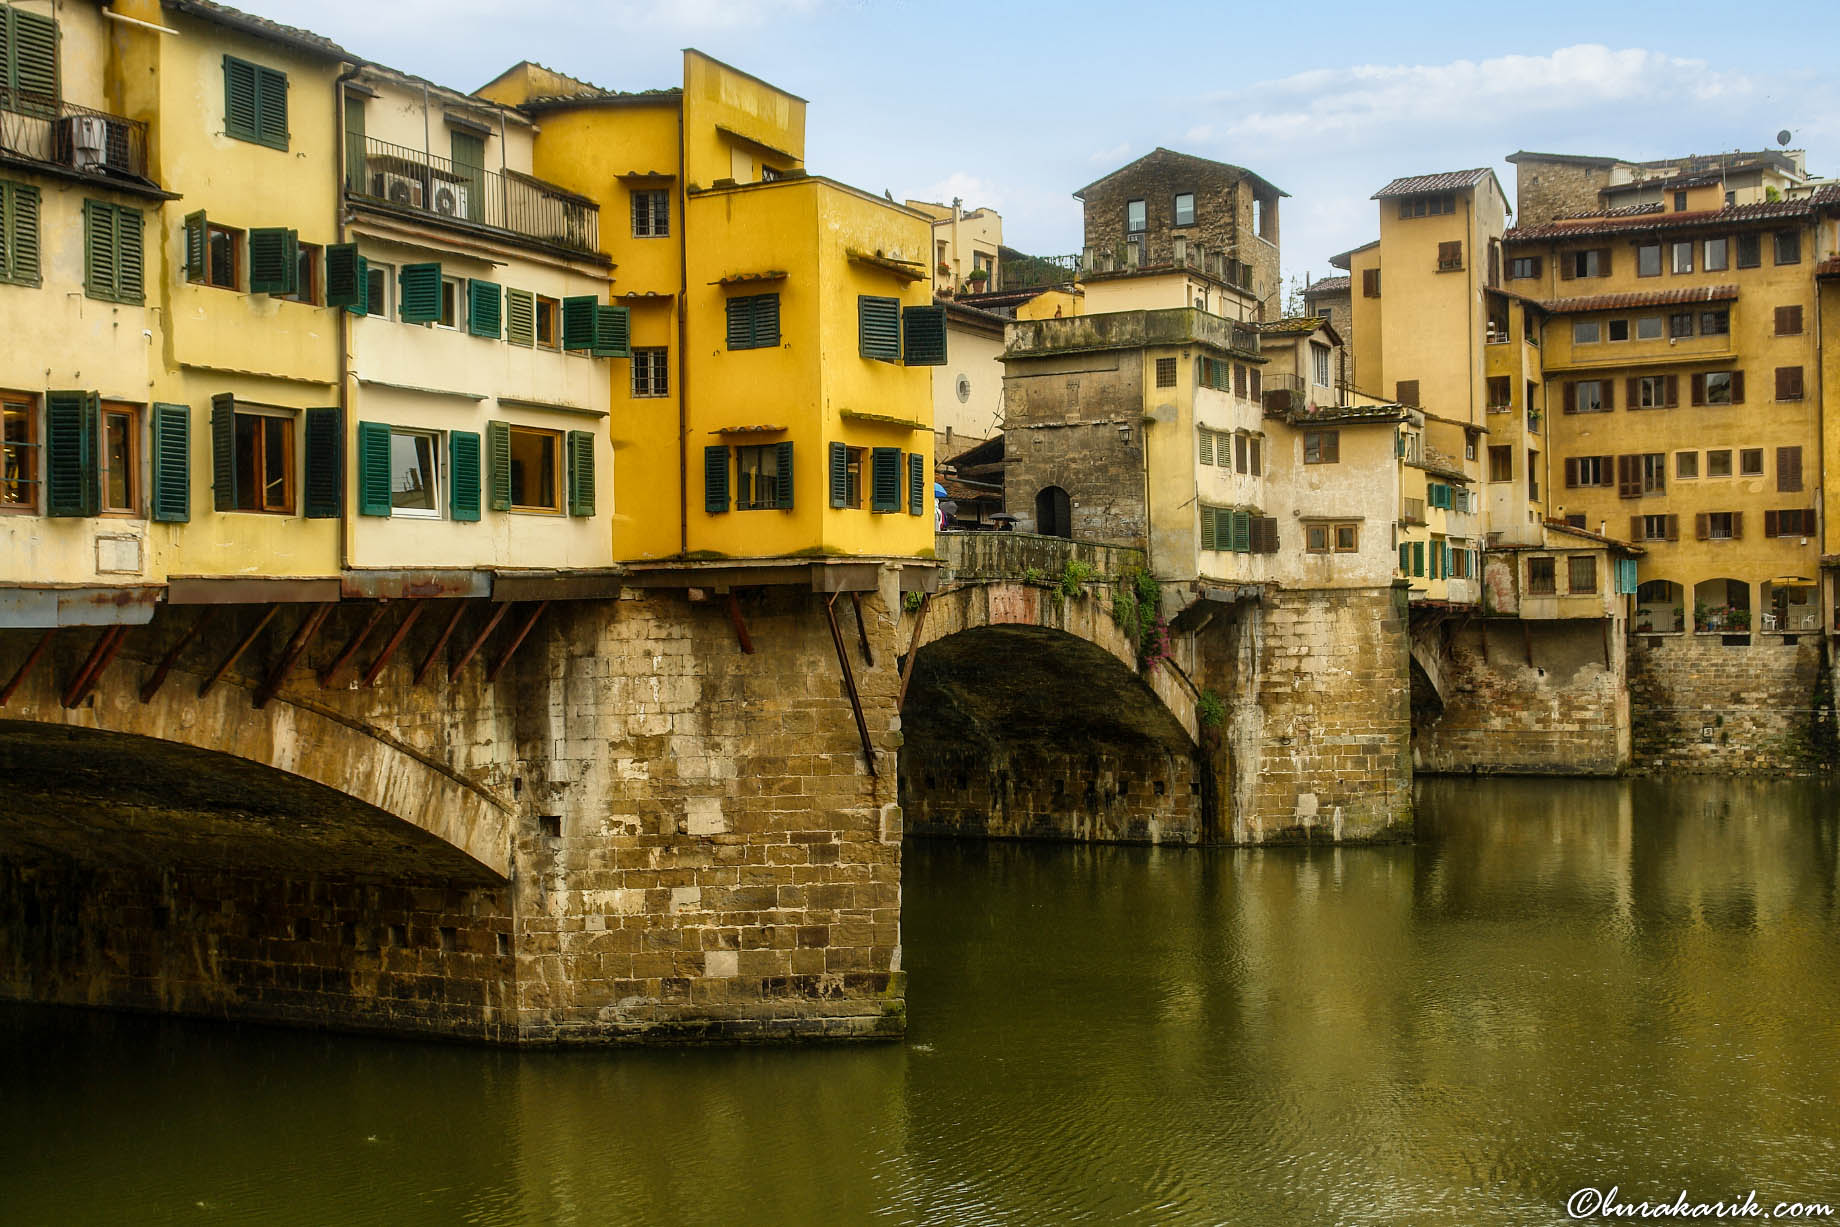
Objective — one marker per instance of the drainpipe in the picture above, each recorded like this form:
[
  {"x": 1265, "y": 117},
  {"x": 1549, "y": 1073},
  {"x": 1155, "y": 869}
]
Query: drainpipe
[
  {"x": 683, "y": 343},
  {"x": 346, "y": 444}
]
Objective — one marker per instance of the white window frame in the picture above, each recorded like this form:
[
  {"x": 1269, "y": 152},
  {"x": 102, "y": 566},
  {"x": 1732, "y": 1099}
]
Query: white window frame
[
  {"x": 372, "y": 268},
  {"x": 1321, "y": 364},
  {"x": 458, "y": 287},
  {"x": 1650, "y": 328},
  {"x": 646, "y": 358},
  {"x": 437, "y": 442},
  {"x": 1586, "y": 332},
  {"x": 650, "y": 228}
]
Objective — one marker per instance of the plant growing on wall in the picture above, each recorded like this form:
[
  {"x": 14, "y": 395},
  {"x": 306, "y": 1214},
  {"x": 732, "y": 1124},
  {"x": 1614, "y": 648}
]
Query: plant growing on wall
[
  {"x": 1073, "y": 578},
  {"x": 1212, "y": 712},
  {"x": 1135, "y": 602}
]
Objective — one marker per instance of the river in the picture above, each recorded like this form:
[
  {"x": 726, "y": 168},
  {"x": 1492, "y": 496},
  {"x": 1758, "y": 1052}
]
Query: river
[{"x": 1562, "y": 985}]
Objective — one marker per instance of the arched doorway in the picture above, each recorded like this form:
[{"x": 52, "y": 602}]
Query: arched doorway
[
  {"x": 1660, "y": 607},
  {"x": 1052, "y": 515}
]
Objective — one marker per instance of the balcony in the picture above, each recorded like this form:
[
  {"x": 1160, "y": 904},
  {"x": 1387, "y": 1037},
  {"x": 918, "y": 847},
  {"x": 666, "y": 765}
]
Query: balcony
[
  {"x": 58, "y": 133},
  {"x": 1284, "y": 393},
  {"x": 401, "y": 178}
]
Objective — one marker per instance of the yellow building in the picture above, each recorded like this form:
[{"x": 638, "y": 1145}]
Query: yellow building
[
  {"x": 967, "y": 246},
  {"x": 787, "y": 311}
]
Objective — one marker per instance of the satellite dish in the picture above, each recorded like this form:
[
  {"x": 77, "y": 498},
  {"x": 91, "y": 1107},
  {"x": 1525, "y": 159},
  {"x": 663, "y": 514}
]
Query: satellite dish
[{"x": 1783, "y": 137}]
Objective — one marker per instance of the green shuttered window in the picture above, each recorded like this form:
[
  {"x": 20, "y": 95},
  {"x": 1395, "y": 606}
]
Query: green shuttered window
[
  {"x": 885, "y": 479},
  {"x": 255, "y": 103},
  {"x": 840, "y": 475},
  {"x": 521, "y": 317},
  {"x": 463, "y": 475},
  {"x": 361, "y": 301},
  {"x": 581, "y": 473},
  {"x": 28, "y": 62},
  {"x": 715, "y": 479},
  {"x": 924, "y": 335},
  {"x": 879, "y": 327},
  {"x": 498, "y": 452},
  {"x": 484, "y": 309},
  {"x": 783, "y": 457},
  {"x": 112, "y": 239},
  {"x": 373, "y": 469},
  {"x": 197, "y": 229},
  {"x": 72, "y": 481},
  {"x": 223, "y": 452},
  {"x": 753, "y": 321},
  {"x": 612, "y": 332},
  {"x": 171, "y": 467},
  {"x": 274, "y": 261},
  {"x": 345, "y": 280},
  {"x": 19, "y": 245},
  {"x": 916, "y": 484},
  {"x": 418, "y": 299},
  {"x": 324, "y": 439},
  {"x": 578, "y": 320}
]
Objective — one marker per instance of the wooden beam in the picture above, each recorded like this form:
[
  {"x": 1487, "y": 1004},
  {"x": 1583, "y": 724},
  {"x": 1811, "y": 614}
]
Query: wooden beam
[
  {"x": 357, "y": 641},
  {"x": 849, "y": 682},
  {"x": 303, "y": 635},
  {"x": 197, "y": 628},
  {"x": 99, "y": 657},
  {"x": 395, "y": 641},
  {"x": 479, "y": 640},
  {"x": 504, "y": 658},
  {"x": 237, "y": 652},
  {"x": 741, "y": 630},
  {"x": 25, "y": 666},
  {"x": 913, "y": 649},
  {"x": 862, "y": 630},
  {"x": 447, "y": 631}
]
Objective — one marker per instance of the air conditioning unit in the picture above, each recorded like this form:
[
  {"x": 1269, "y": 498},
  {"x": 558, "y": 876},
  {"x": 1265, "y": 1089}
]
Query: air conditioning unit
[
  {"x": 85, "y": 141},
  {"x": 397, "y": 189},
  {"x": 450, "y": 199}
]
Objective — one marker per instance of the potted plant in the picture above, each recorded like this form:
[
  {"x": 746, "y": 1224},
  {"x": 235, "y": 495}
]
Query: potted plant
[
  {"x": 977, "y": 277},
  {"x": 945, "y": 270}
]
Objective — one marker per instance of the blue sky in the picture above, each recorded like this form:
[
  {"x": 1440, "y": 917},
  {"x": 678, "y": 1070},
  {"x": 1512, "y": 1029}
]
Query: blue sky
[{"x": 1016, "y": 105}]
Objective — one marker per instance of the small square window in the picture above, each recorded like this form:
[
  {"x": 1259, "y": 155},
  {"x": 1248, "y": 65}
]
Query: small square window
[
  {"x": 1750, "y": 250},
  {"x": 1648, "y": 328},
  {"x": 1718, "y": 388},
  {"x": 1582, "y": 574},
  {"x": 1165, "y": 372},
  {"x": 1584, "y": 332},
  {"x": 651, "y": 372},
  {"x": 1686, "y": 464},
  {"x": 1347, "y": 538},
  {"x": 1648, "y": 260},
  {"x": 651, "y": 214},
  {"x": 1542, "y": 577},
  {"x": 549, "y": 310},
  {"x": 1322, "y": 446},
  {"x": 1715, "y": 323},
  {"x": 756, "y": 478},
  {"x": 223, "y": 257},
  {"x": 1718, "y": 462},
  {"x": 1680, "y": 324},
  {"x": 1618, "y": 330},
  {"x": 1788, "y": 246},
  {"x": 1316, "y": 538},
  {"x": 1750, "y": 462},
  {"x": 1185, "y": 209}
]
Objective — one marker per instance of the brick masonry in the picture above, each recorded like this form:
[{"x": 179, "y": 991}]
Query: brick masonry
[
  {"x": 1077, "y": 423},
  {"x": 1699, "y": 704}
]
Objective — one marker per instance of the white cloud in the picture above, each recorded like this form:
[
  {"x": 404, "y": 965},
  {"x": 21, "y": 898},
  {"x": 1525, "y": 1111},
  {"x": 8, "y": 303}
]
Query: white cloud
[
  {"x": 1199, "y": 133},
  {"x": 1116, "y": 153},
  {"x": 975, "y": 192}
]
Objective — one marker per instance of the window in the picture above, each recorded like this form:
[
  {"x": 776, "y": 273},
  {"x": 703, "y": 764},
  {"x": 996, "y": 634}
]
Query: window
[
  {"x": 1788, "y": 321},
  {"x": 1718, "y": 462},
  {"x": 1185, "y": 209},
  {"x": 112, "y": 252},
  {"x": 1582, "y": 577},
  {"x": 1585, "y": 332},
  {"x": 1405, "y": 392},
  {"x": 1322, "y": 446},
  {"x": 1720, "y": 526},
  {"x": 1654, "y": 472},
  {"x": 1654, "y": 391},
  {"x": 1135, "y": 220},
  {"x": 1239, "y": 380},
  {"x": 1331, "y": 538},
  {"x": 1316, "y": 539},
  {"x": 753, "y": 321},
  {"x": 1588, "y": 471},
  {"x": 1648, "y": 259},
  {"x": 1521, "y": 267},
  {"x": 1686, "y": 464},
  {"x": 28, "y": 69},
  {"x": 1648, "y": 328},
  {"x": 1427, "y": 206},
  {"x": 1750, "y": 250},
  {"x": 1499, "y": 391},
  {"x": 1788, "y": 383},
  {"x": 1319, "y": 363},
  {"x": 1680, "y": 202},
  {"x": 1788, "y": 246},
  {"x": 651, "y": 214},
  {"x": 878, "y": 322},
  {"x": 1790, "y": 522},
  {"x": 549, "y": 311},
  {"x": 1588, "y": 396},
  {"x": 1789, "y": 469},
  {"x": 1717, "y": 255},
  {"x": 1592, "y": 263},
  {"x": 1680, "y": 324},
  {"x": 1717, "y": 388},
  {"x": 651, "y": 372},
  {"x": 263, "y": 459},
  {"x": 757, "y": 478},
  {"x": 1680, "y": 257},
  {"x": 255, "y": 103},
  {"x": 1501, "y": 463},
  {"x": 451, "y": 295},
  {"x": 1239, "y": 453},
  {"x": 1370, "y": 283},
  {"x": 1533, "y": 474},
  {"x": 414, "y": 474},
  {"x": 307, "y": 275},
  {"x": 1165, "y": 372},
  {"x": 1450, "y": 256},
  {"x": 18, "y": 451},
  {"x": 536, "y": 460},
  {"x": 853, "y": 476},
  {"x": 1542, "y": 577},
  {"x": 120, "y": 476},
  {"x": 19, "y": 206},
  {"x": 1253, "y": 449},
  {"x": 1617, "y": 330},
  {"x": 1655, "y": 528},
  {"x": 378, "y": 280},
  {"x": 1750, "y": 462},
  {"x": 1715, "y": 323}
]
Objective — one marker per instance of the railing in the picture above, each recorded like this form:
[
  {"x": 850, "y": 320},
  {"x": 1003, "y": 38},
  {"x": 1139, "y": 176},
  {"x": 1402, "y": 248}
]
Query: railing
[
  {"x": 1284, "y": 393},
  {"x": 1028, "y": 272},
  {"x": 972, "y": 557},
  {"x": 410, "y": 179},
  {"x": 63, "y": 134}
]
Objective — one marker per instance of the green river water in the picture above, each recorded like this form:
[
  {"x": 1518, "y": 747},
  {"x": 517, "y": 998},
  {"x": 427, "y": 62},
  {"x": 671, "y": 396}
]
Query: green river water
[{"x": 1561, "y": 985}]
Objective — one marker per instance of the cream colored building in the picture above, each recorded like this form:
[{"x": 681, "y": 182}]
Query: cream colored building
[
  {"x": 968, "y": 389},
  {"x": 967, "y": 246}
]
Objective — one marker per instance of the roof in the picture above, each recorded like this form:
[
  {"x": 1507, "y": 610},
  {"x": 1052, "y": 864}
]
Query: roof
[
  {"x": 990, "y": 451},
  {"x": 1159, "y": 151},
  {"x": 260, "y": 27},
  {"x": 1293, "y": 325},
  {"x": 1347, "y": 414},
  {"x": 1341, "y": 258},
  {"x": 1443, "y": 181},
  {"x": 1581, "y": 159},
  {"x": 1560, "y": 526},
  {"x": 976, "y": 318},
  {"x": 1761, "y": 211},
  {"x": 591, "y": 98},
  {"x": 1329, "y": 285},
  {"x": 1696, "y": 179},
  {"x": 1649, "y": 298},
  {"x": 1635, "y": 210},
  {"x": 1829, "y": 267}
]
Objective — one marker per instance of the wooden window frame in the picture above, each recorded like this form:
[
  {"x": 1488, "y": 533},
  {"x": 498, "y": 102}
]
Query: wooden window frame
[
  {"x": 1753, "y": 258},
  {"x": 1750, "y": 462},
  {"x": 1657, "y": 251},
  {"x": 286, "y": 422},
  {"x": 1546, "y": 584},
  {"x": 1450, "y": 256},
  {"x": 310, "y": 263},
  {"x": 559, "y": 477},
  {"x": 1322, "y": 446},
  {"x": 1370, "y": 283},
  {"x": 1317, "y": 538},
  {"x": 236, "y": 240},
  {"x": 655, "y": 363},
  {"x": 1686, "y": 466},
  {"x": 1781, "y": 239},
  {"x": 547, "y": 312},
  {"x": 1719, "y": 457},
  {"x": 28, "y": 476},
  {"x": 131, "y": 506},
  {"x": 1789, "y": 321},
  {"x": 1523, "y": 268},
  {"x": 646, "y": 223},
  {"x": 1790, "y": 384},
  {"x": 1500, "y": 452}
]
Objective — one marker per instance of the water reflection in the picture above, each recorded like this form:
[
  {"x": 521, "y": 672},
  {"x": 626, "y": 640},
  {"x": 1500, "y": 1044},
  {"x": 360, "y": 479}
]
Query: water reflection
[{"x": 1562, "y": 984}]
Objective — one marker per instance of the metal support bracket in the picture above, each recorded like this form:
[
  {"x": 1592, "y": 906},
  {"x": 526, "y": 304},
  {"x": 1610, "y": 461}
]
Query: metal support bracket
[
  {"x": 236, "y": 653},
  {"x": 303, "y": 635},
  {"x": 849, "y": 682},
  {"x": 741, "y": 631},
  {"x": 25, "y": 666},
  {"x": 99, "y": 657},
  {"x": 395, "y": 641},
  {"x": 517, "y": 641}
]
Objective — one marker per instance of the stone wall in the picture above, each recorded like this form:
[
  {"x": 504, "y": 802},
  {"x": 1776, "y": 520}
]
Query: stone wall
[
  {"x": 1544, "y": 190},
  {"x": 1699, "y": 704},
  {"x": 1534, "y": 698},
  {"x": 1109, "y": 793},
  {"x": 1077, "y": 423}
]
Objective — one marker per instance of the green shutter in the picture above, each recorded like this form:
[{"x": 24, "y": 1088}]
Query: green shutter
[
  {"x": 1418, "y": 559},
  {"x": 345, "y": 282},
  {"x": 129, "y": 235},
  {"x": 916, "y": 484},
  {"x": 581, "y": 473},
  {"x": 271, "y": 108},
  {"x": 323, "y": 439},
  {"x": 274, "y": 260},
  {"x": 463, "y": 474},
  {"x": 418, "y": 299},
  {"x": 840, "y": 475},
  {"x": 30, "y": 45},
  {"x": 885, "y": 479},
  {"x": 485, "y": 309},
  {"x": 879, "y": 327},
  {"x": 72, "y": 483},
  {"x": 1242, "y": 532},
  {"x": 100, "y": 255},
  {"x": 373, "y": 469},
  {"x": 766, "y": 320},
  {"x": 360, "y": 303},
  {"x": 223, "y": 452},
  {"x": 1209, "y": 540},
  {"x": 171, "y": 467},
  {"x": 498, "y": 452},
  {"x": 753, "y": 321},
  {"x": 924, "y": 335},
  {"x": 783, "y": 496},
  {"x": 19, "y": 244},
  {"x": 578, "y": 318},
  {"x": 196, "y": 246},
  {"x": 239, "y": 98},
  {"x": 1405, "y": 558},
  {"x": 715, "y": 479},
  {"x": 612, "y": 332},
  {"x": 521, "y": 317}
]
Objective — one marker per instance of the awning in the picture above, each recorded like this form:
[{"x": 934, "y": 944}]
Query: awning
[{"x": 1792, "y": 581}]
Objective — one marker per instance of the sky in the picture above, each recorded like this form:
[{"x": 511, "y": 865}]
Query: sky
[{"x": 1016, "y": 104}]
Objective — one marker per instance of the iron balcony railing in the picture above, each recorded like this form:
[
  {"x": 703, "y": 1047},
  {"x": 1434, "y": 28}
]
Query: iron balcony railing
[
  {"x": 439, "y": 187},
  {"x": 46, "y": 129},
  {"x": 1284, "y": 393},
  {"x": 1029, "y": 272}
]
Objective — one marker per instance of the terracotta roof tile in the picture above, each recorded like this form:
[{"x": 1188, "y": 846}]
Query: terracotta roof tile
[
  {"x": 1330, "y": 285},
  {"x": 1622, "y": 211},
  {"x": 1645, "y": 298},
  {"x": 1296, "y": 325},
  {"x": 1829, "y": 267},
  {"x": 261, "y": 27},
  {"x": 1444, "y": 181},
  {"x": 1767, "y": 210}
]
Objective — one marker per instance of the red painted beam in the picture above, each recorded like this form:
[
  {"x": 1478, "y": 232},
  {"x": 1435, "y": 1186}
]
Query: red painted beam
[
  {"x": 516, "y": 641},
  {"x": 303, "y": 635},
  {"x": 479, "y": 640},
  {"x": 395, "y": 641},
  {"x": 357, "y": 641},
  {"x": 237, "y": 653},
  {"x": 434, "y": 652},
  {"x": 25, "y": 666},
  {"x": 99, "y": 658},
  {"x": 178, "y": 649}
]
